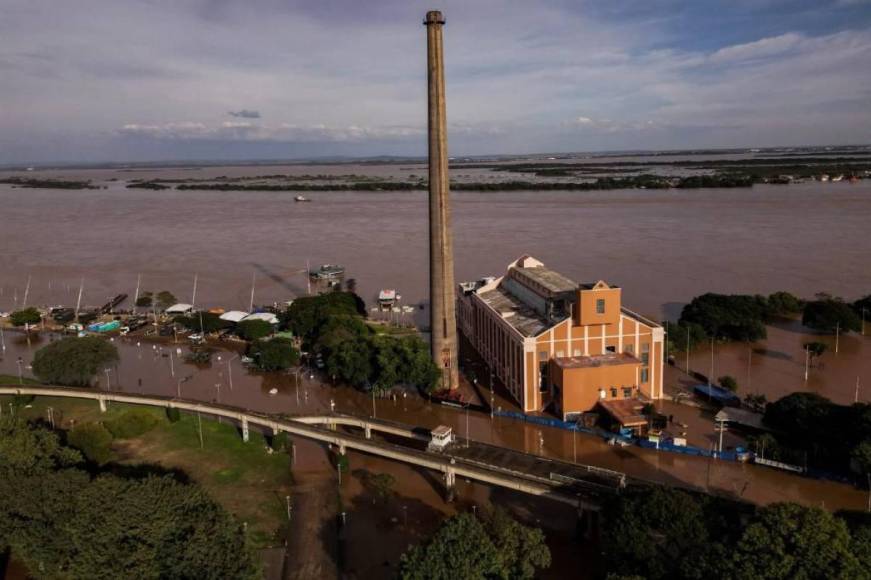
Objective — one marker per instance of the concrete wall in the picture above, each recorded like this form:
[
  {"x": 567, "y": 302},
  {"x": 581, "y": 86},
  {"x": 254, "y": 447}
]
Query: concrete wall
[{"x": 578, "y": 389}]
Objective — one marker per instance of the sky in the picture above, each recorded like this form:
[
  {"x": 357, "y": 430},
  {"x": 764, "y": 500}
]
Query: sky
[{"x": 160, "y": 80}]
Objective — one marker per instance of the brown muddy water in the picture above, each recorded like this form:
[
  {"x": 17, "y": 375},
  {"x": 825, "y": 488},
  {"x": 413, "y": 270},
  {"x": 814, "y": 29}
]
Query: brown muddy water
[{"x": 662, "y": 247}]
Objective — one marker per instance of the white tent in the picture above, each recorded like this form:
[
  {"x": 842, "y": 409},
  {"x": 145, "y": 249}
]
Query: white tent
[
  {"x": 179, "y": 309},
  {"x": 264, "y": 316},
  {"x": 234, "y": 316}
]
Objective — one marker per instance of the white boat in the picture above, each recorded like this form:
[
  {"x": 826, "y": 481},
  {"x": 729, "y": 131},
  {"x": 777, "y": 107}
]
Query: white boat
[
  {"x": 301, "y": 198},
  {"x": 273, "y": 391},
  {"x": 386, "y": 299}
]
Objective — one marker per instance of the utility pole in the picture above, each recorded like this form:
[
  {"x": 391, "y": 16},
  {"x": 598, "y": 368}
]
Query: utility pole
[
  {"x": 253, "y": 281},
  {"x": 136, "y": 295},
  {"x": 194, "y": 295},
  {"x": 863, "y": 321},
  {"x": 711, "y": 375},
  {"x": 806, "y": 362},
  {"x": 837, "y": 335},
  {"x": 688, "y": 350},
  {"x": 26, "y": 292},
  {"x": 856, "y": 398},
  {"x": 749, "y": 361},
  {"x": 200, "y": 427}
]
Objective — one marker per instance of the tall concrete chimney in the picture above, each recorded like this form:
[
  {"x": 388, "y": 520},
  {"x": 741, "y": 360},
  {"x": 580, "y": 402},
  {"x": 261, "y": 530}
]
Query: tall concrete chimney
[{"x": 443, "y": 321}]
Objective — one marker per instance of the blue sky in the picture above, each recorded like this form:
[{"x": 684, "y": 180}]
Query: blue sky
[{"x": 137, "y": 80}]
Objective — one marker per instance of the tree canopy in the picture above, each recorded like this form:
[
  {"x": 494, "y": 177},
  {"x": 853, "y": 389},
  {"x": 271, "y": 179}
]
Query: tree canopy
[
  {"x": 829, "y": 314},
  {"x": 206, "y": 322},
  {"x": 276, "y": 354},
  {"x": 469, "y": 548},
  {"x": 73, "y": 361},
  {"x": 814, "y": 427},
  {"x": 786, "y": 541},
  {"x": 254, "y": 329},
  {"x": 730, "y": 317},
  {"x": 63, "y": 522},
  {"x": 25, "y": 316},
  {"x": 165, "y": 299}
]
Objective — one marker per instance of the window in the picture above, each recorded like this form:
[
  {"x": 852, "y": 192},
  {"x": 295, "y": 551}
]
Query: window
[
  {"x": 630, "y": 349},
  {"x": 577, "y": 352},
  {"x": 613, "y": 392},
  {"x": 645, "y": 358},
  {"x": 600, "y": 306},
  {"x": 627, "y": 392},
  {"x": 645, "y": 375},
  {"x": 610, "y": 349},
  {"x": 560, "y": 354}
]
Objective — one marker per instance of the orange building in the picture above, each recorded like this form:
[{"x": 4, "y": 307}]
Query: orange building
[{"x": 557, "y": 344}]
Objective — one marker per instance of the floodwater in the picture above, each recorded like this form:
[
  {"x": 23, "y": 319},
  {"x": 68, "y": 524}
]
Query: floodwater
[
  {"x": 662, "y": 247},
  {"x": 161, "y": 374}
]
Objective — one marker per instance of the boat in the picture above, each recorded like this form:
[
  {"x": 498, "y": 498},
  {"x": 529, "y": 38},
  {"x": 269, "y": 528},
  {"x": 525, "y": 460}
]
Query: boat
[
  {"x": 327, "y": 272},
  {"x": 838, "y": 178},
  {"x": 386, "y": 299},
  {"x": 273, "y": 391},
  {"x": 301, "y": 198},
  {"x": 104, "y": 326}
]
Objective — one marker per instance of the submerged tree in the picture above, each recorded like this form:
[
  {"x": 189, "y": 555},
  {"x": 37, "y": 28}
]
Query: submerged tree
[{"x": 73, "y": 361}]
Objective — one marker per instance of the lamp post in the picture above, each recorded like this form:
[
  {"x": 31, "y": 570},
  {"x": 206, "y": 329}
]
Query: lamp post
[
  {"x": 230, "y": 370},
  {"x": 20, "y": 376},
  {"x": 107, "y": 371}
]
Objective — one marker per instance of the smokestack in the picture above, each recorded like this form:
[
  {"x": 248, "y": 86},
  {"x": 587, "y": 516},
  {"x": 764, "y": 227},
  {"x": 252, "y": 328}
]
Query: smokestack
[{"x": 443, "y": 317}]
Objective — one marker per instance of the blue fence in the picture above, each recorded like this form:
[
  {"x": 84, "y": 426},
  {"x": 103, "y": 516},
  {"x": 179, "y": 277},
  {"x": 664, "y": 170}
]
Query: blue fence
[{"x": 662, "y": 445}]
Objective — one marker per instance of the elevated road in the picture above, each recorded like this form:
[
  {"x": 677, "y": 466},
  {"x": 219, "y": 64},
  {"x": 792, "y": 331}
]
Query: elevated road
[{"x": 581, "y": 486}]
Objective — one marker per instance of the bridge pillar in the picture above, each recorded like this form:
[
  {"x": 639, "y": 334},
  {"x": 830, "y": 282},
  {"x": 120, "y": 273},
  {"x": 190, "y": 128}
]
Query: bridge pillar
[
  {"x": 102, "y": 404},
  {"x": 368, "y": 431},
  {"x": 342, "y": 449},
  {"x": 245, "y": 429},
  {"x": 450, "y": 481},
  {"x": 276, "y": 430}
]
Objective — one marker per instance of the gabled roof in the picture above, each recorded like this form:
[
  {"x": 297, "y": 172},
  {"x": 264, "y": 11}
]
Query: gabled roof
[
  {"x": 234, "y": 316},
  {"x": 179, "y": 308}
]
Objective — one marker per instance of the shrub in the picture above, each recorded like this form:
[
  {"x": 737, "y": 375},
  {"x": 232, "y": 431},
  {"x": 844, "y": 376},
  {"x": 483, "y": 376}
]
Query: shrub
[
  {"x": 173, "y": 414},
  {"x": 93, "y": 440},
  {"x": 728, "y": 382},
  {"x": 132, "y": 423},
  {"x": 280, "y": 442}
]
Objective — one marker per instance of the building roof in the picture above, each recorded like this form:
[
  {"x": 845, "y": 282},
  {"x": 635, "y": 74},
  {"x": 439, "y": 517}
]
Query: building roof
[
  {"x": 599, "y": 360},
  {"x": 234, "y": 316},
  {"x": 515, "y": 312},
  {"x": 740, "y": 417},
  {"x": 180, "y": 308},
  {"x": 551, "y": 280},
  {"x": 264, "y": 316},
  {"x": 627, "y": 412}
]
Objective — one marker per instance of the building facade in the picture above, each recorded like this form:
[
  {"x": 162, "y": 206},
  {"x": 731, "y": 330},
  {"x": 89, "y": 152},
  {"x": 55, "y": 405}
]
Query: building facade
[{"x": 559, "y": 345}]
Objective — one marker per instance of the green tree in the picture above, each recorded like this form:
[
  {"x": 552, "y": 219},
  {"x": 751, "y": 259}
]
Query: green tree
[
  {"x": 62, "y": 523},
  {"x": 460, "y": 548},
  {"x": 815, "y": 349},
  {"x": 276, "y": 354},
  {"x": 165, "y": 299},
  {"x": 145, "y": 300},
  {"x": 784, "y": 304},
  {"x": 733, "y": 317},
  {"x": 28, "y": 315},
  {"x": 830, "y": 314},
  {"x": 658, "y": 534},
  {"x": 350, "y": 360},
  {"x": 522, "y": 549},
  {"x": 728, "y": 382},
  {"x": 685, "y": 334},
  {"x": 786, "y": 541},
  {"x": 73, "y": 361},
  {"x": 93, "y": 440},
  {"x": 861, "y": 456},
  {"x": 31, "y": 450},
  {"x": 254, "y": 329},
  {"x": 381, "y": 486}
]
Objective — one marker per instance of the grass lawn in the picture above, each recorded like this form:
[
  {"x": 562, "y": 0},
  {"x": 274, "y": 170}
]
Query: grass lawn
[
  {"x": 13, "y": 380},
  {"x": 244, "y": 477}
]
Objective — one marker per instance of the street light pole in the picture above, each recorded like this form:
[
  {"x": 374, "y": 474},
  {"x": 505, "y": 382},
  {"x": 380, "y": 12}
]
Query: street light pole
[
  {"x": 806, "y": 362},
  {"x": 837, "y": 335}
]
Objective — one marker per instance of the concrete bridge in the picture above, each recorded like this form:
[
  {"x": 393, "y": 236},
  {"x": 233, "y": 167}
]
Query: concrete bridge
[{"x": 581, "y": 486}]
